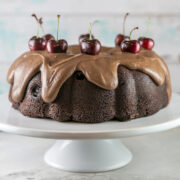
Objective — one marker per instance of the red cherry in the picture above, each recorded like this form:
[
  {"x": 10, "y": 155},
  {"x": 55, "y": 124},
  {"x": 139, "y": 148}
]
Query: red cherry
[
  {"x": 92, "y": 47},
  {"x": 132, "y": 46},
  {"x": 36, "y": 44},
  {"x": 47, "y": 37},
  {"x": 120, "y": 38},
  {"x": 84, "y": 36},
  {"x": 146, "y": 43},
  {"x": 59, "y": 46}
]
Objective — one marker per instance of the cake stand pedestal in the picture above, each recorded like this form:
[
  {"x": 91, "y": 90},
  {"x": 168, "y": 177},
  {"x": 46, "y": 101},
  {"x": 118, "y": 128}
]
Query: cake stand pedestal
[
  {"x": 88, "y": 155},
  {"x": 87, "y": 147}
]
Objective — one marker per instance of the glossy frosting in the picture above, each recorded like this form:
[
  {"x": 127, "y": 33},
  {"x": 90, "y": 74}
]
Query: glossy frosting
[{"x": 101, "y": 70}]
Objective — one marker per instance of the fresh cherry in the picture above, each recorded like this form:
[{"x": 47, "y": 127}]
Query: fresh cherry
[
  {"x": 122, "y": 37},
  {"x": 84, "y": 36},
  {"x": 92, "y": 47},
  {"x": 36, "y": 43},
  {"x": 48, "y": 37},
  {"x": 88, "y": 35},
  {"x": 132, "y": 46},
  {"x": 59, "y": 46},
  {"x": 146, "y": 43}
]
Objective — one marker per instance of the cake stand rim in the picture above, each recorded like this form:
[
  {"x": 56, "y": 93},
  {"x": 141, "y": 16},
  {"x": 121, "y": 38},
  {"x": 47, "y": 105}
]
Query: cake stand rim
[{"x": 111, "y": 134}]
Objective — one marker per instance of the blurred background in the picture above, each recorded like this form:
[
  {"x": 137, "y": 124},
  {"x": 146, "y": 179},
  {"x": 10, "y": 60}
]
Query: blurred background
[{"x": 17, "y": 26}]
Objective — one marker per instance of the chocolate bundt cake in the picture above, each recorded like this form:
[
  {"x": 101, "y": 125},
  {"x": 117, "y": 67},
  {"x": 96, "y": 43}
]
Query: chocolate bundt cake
[{"x": 85, "y": 88}]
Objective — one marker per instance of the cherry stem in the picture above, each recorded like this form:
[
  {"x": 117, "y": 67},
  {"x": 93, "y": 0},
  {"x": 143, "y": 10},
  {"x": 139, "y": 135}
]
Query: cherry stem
[
  {"x": 148, "y": 27},
  {"x": 130, "y": 34},
  {"x": 58, "y": 17},
  {"x": 90, "y": 31},
  {"x": 34, "y": 15},
  {"x": 41, "y": 24},
  {"x": 124, "y": 21}
]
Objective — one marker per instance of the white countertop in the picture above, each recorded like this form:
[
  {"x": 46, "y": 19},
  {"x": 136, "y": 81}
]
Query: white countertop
[{"x": 156, "y": 157}]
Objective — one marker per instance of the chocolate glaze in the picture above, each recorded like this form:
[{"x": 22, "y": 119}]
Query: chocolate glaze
[{"x": 101, "y": 70}]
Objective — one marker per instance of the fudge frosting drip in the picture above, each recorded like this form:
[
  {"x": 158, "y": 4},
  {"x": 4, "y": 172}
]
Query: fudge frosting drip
[{"x": 100, "y": 70}]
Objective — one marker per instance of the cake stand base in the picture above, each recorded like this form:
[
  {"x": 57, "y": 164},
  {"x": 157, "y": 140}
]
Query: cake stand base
[{"x": 88, "y": 155}]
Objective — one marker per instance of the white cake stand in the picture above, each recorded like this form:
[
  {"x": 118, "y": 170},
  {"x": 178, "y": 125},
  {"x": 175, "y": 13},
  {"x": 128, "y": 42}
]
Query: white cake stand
[{"x": 87, "y": 147}]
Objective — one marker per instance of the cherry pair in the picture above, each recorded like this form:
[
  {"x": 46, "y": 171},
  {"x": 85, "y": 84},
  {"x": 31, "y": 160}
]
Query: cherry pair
[
  {"x": 125, "y": 42},
  {"x": 133, "y": 46},
  {"x": 47, "y": 41},
  {"x": 39, "y": 43}
]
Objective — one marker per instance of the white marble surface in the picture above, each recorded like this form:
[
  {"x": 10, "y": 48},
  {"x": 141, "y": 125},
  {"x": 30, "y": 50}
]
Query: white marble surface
[{"x": 156, "y": 157}]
